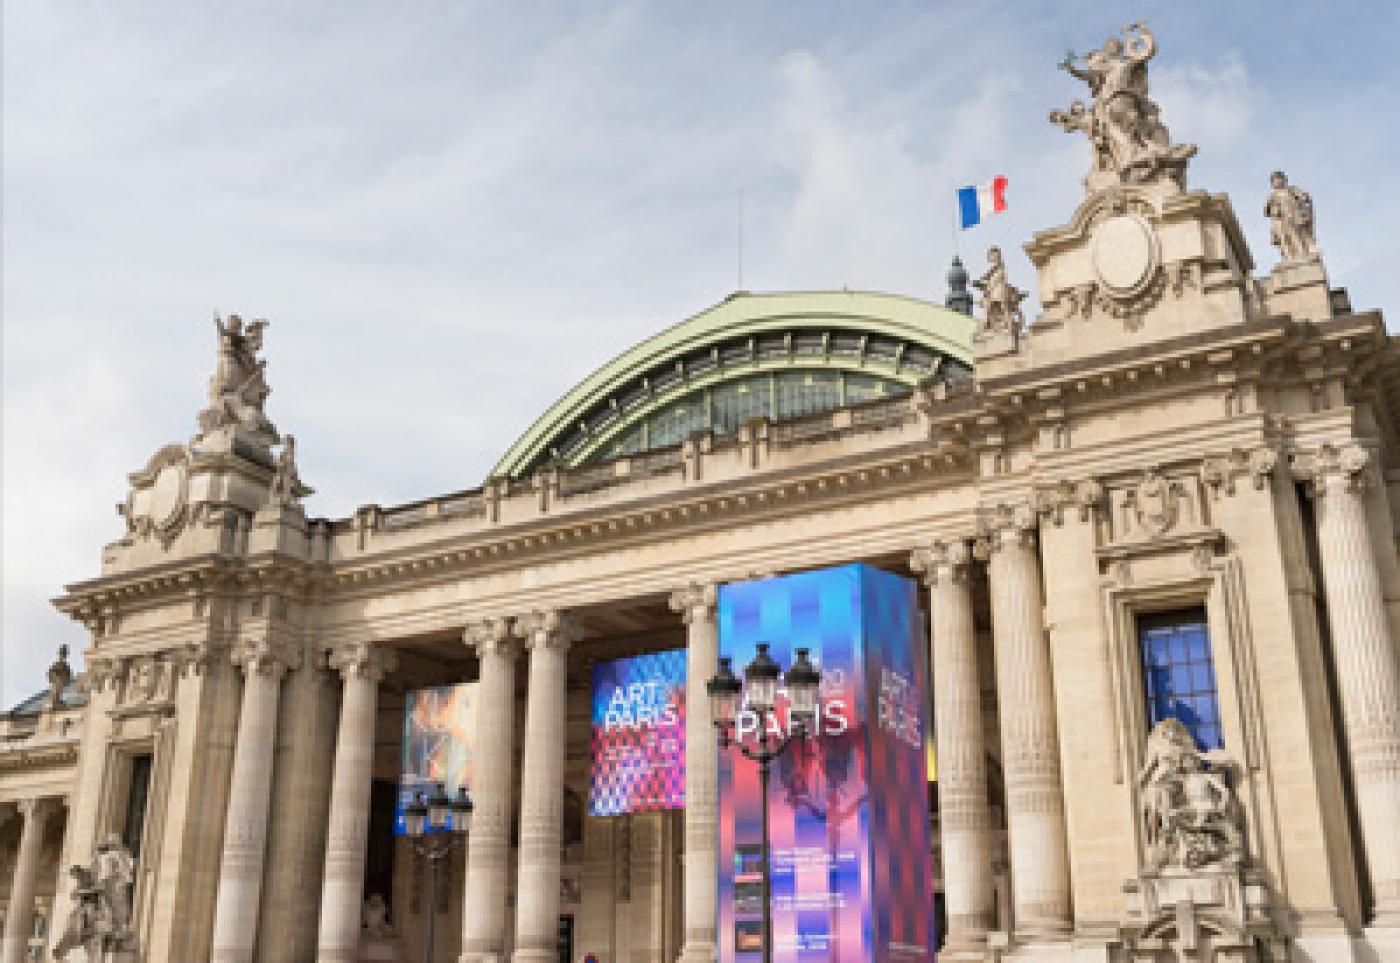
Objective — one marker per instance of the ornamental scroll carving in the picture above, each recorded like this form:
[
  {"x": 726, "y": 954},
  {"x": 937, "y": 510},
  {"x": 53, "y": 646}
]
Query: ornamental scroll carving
[{"x": 1191, "y": 818}]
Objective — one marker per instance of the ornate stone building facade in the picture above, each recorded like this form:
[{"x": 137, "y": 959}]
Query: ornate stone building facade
[{"x": 1156, "y": 523}]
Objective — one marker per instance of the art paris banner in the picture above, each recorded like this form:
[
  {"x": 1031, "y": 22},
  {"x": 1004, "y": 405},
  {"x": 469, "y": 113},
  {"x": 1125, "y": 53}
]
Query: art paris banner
[
  {"x": 638, "y": 734},
  {"x": 852, "y": 875}
]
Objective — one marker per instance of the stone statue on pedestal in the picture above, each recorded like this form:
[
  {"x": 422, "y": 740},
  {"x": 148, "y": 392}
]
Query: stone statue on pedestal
[
  {"x": 287, "y": 489},
  {"x": 100, "y": 920},
  {"x": 1001, "y": 302},
  {"x": 1290, "y": 212},
  {"x": 1124, "y": 124},
  {"x": 238, "y": 390},
  {"x": 59, "y": 676}
]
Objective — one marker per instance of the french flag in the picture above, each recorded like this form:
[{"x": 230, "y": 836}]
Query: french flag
[{"x": 976, "y": 202}]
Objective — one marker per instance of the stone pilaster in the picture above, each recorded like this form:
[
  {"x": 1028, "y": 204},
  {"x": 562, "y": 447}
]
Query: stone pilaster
[
  {"x": 696, "y": 605},
  {"x": 19, "y": 913},
  {"x": 250, "y": 790},
  {"x": 1030, "y": 748},
  {"x": 547, "y": 636},
  {"x": 1368, "y": 676},
  {"x": 488, "y": 853},
  {"x": 361, "y": 666},
  {"x": 965, "y": 820}
]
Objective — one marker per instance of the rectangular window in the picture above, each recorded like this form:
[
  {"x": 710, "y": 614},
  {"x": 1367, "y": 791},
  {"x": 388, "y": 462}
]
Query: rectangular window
[
  {"x": 139, "y": 791},
  {"x": 1179, "y": 673}
]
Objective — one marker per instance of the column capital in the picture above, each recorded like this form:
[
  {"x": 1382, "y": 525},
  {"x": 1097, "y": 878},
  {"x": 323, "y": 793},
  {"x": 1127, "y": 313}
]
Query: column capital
[
  {"x": 943, "y": 559},
  {"x": 696, "y": 602},
  {"x": 364, "y": 660},
  {"x": 1221, "y": 473},
  {"x": 548, "y": 629},
  {"x": 265, "y": 656},
  {"x": 1077, "y": 498},
  {"x": 36, "y": 807},
  {"x": 1007, "y": 524},
  {"x": 491, "y": 636},
  {"x": 1333, "y": 468}
]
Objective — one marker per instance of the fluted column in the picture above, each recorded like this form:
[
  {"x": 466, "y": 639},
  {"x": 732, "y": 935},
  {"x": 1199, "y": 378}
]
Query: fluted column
[
  {"x": 250, "y": 790},
  {"x": 19, "y": 914},
  {"x": 696, "y": 605},
  {"x": 488, "y": 851},
  {"x": 1368, "y": 676},
  {"x": 1035, "y": 809},
  {"x": 361, "y": 666},
  {"x": 547, "y": 636},
  {"x": 964, "y": 815}
]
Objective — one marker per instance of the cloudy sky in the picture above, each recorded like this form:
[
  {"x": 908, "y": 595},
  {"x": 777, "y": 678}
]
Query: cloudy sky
[{"x": 452, "y": 212}]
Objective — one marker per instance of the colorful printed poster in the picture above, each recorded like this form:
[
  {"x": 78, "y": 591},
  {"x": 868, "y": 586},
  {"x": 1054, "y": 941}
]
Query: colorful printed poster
[
  {"x": 438, "y": 730},
  {"x": 848, "y": 809},
  {"x": 638, "y": 734}
]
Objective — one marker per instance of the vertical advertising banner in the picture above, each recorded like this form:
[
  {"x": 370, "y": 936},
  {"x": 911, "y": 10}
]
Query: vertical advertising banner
[
  {"x": 848, "y": 809},
  {"x": 438, "y": 731},
  {"x": 638, "y": 745}
]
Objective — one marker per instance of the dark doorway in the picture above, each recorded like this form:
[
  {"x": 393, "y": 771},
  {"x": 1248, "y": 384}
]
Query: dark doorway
[{"x": 379, "y": 858}]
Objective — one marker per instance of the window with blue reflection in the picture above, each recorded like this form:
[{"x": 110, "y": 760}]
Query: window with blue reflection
[{"x": 1179, "y": 673}]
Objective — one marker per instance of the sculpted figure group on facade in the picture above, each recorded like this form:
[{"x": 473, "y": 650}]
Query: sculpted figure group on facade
[
  {"x": 1191, "y": 819},
  {"x": 99, "y": 923}
]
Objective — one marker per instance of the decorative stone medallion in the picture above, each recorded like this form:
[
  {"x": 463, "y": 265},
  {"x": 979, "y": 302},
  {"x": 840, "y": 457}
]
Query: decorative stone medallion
[
  {"x": 168, "y": 496},
  {"x": 1125, "y": 255}
]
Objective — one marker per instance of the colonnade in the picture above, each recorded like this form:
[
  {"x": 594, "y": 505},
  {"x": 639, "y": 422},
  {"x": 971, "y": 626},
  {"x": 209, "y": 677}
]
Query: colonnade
[
  {"x": 1369, "y": 683},
  {"x": 34, "y": 814}
]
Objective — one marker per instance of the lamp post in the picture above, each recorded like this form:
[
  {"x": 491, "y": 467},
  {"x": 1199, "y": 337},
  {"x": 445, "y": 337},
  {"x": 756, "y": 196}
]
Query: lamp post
[
  {"x": 759, "y": 693},
  {"x": 436, "y": 826}
]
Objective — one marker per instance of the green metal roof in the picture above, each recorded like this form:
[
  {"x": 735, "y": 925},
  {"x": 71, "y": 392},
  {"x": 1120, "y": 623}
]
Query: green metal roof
[{"x": 900, "y": 339}]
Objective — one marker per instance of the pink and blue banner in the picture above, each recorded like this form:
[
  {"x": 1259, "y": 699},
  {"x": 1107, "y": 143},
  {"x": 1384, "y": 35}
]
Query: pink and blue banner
[
  {"x": 439, "y": 727},
  {"x": 849, "y": 824},
  {"x": 638, "y": 742}
]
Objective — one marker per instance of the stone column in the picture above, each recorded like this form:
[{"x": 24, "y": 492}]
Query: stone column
[
  {"x": 19, "y": 914},
  {"x": 362, "y": 666},
  {"x": 250, "y": 790},
  {"x": 1030, "y": 751},
  {"x": 1368, "y": 675},
  {"x": 548, "y": 636},
  {"x": 965, "y": 818},
  {"x": 696, "y": 605},
  {"x": 488, "y": 851}
]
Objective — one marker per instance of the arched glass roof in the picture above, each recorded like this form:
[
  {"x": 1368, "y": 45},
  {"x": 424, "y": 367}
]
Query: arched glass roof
[{"x": 752, "y": 355}]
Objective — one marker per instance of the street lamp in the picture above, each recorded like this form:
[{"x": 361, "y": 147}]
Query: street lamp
[
  {"x": 759, "y": 693},
  {"x": 436, "y": 826}
]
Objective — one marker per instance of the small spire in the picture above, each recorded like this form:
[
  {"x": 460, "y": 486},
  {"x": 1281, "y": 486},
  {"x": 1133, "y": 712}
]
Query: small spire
[{"x": 959, "y": 297}]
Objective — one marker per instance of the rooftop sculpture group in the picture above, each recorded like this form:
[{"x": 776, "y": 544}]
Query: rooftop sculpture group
[
  {"x": 1124, "y": 124},
  {"x": 238, "y": 390}
]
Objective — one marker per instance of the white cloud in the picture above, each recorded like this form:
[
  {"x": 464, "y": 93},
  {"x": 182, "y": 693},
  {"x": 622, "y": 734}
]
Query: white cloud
[{"x": 451, "y": 212}]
